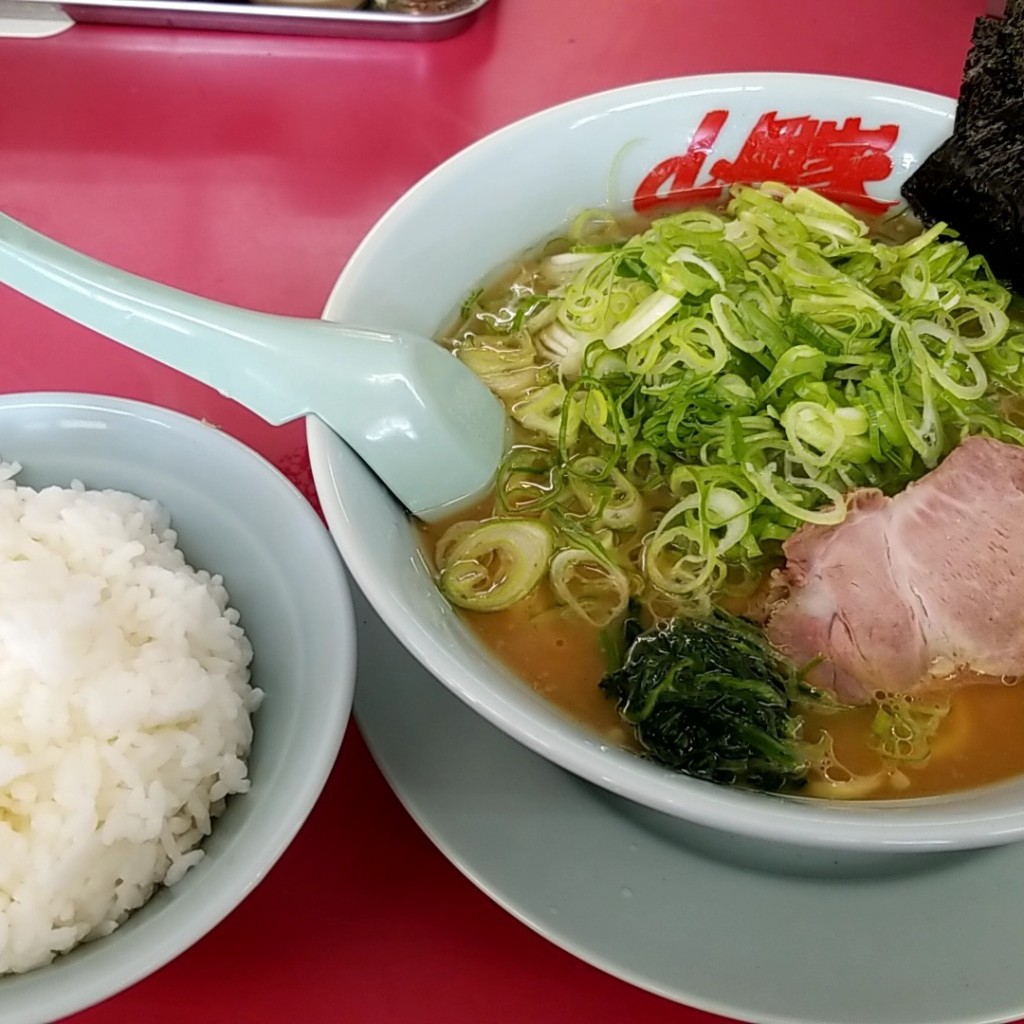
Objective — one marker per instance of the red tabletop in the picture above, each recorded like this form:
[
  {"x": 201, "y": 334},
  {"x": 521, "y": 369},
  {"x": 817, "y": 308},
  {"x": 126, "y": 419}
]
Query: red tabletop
[{"x": 247, "y": 168}]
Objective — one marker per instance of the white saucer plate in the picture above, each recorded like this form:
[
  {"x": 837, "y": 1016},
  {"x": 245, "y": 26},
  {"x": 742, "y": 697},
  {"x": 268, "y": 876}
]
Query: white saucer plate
[{"x": 758, "y": 932}]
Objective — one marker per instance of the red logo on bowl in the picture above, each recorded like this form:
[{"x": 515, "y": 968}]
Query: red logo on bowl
[{"x": 836, "y": 160}]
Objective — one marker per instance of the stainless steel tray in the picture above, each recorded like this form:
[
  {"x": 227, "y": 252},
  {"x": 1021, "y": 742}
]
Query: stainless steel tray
[{"x": 365, "y": 21}]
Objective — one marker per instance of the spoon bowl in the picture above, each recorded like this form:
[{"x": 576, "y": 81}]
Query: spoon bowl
[{"x": 421, "y": 420}]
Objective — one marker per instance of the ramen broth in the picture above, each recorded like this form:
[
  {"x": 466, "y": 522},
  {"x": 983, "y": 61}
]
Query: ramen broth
[{"x": 562, "y": 657}]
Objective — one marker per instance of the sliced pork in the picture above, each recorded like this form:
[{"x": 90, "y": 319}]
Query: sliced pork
[{"x": 910, "y": 589}]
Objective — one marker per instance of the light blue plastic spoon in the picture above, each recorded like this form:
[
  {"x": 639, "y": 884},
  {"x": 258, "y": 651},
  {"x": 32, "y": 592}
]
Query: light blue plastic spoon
[{"x": 420, "y": 419}]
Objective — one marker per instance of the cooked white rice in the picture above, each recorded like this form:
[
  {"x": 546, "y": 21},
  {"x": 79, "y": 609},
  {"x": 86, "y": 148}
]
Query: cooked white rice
[{"x": 124, "y": 712}]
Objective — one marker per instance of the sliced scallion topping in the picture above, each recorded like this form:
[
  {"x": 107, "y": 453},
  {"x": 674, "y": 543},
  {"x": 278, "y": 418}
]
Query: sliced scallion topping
[
  {"x": 695, "y": 391},
  {"x": 490, "y": 565}
]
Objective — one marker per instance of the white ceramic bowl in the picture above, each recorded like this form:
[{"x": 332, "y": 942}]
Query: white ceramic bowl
[
  {"x": 237, "y": 515},
  {"x": 481, "y": 209}
]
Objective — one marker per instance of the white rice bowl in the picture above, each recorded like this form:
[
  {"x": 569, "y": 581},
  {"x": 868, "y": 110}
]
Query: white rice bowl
[
  {"x": 238, "y": 515},
  {"x": 125, "y": 710}
]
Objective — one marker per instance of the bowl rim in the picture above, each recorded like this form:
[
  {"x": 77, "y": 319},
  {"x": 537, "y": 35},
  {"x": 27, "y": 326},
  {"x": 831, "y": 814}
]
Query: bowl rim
[
  {"x": 159, "y": 946},
  {"x": 931, "y": 823}
]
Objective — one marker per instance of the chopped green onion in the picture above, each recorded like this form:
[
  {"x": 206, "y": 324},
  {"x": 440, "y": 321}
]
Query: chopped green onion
[
  {"x": 595, "y": 588},
  {"x": 648, "y": 313},
  {"x": 696, "y": 391},
  {"x": 490, "y": 565}
]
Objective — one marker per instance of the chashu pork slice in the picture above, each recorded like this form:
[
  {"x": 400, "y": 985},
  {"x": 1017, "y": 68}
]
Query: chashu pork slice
[{"x": 910, "y": 589}]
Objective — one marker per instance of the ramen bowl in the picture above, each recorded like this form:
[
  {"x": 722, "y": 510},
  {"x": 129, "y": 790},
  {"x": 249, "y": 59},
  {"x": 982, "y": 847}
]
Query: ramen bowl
[{"x": 634, "y": 148}]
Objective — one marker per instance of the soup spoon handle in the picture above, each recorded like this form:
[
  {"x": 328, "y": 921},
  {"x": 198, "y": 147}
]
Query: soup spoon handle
[{"x": 422, "y": 421}]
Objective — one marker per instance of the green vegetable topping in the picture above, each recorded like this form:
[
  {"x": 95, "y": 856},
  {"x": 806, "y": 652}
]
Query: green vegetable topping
[
  {"x": 904, "y": 726},
  {"x": 710, "y": 698},
  {"x": 689, "y": 395},
  {"x": 491, "y": 565}
]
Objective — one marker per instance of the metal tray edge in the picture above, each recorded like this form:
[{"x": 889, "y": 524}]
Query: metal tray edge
[{"x": 276, "y": 19}]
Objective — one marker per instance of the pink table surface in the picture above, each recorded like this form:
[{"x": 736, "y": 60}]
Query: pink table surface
[{"x": 247, "y": 168}]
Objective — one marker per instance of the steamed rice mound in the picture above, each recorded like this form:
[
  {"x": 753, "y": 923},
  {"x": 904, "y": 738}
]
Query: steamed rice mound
[{"x": 124, "y": 712}]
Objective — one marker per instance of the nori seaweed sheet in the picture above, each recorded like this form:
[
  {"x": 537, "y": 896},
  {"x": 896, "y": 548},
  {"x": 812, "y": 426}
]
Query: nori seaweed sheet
[
  {"x": 990, "y": 74},
  {"x": 975, "y": 180}
]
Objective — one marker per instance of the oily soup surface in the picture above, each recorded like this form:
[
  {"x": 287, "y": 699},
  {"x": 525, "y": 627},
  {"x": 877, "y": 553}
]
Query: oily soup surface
[
  {"x": 563, "y": 656},
  {"x": 559, "y": 655}
]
